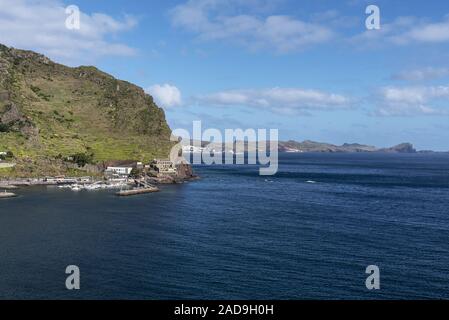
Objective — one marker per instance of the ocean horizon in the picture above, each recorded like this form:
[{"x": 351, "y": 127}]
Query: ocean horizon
[{"x": 308, "y": 232}]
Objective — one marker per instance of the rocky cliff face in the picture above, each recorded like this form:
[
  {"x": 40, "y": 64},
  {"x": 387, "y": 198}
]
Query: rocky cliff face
[
  {"x": 400, "y": 148},
  {"x": 12, "y": 119},
  {"x": 184, "y": 171},
  {"x": 48, "y": 110}
]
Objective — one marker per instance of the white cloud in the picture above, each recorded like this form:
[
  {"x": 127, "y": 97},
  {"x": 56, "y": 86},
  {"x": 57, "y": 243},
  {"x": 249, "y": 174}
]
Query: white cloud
[
  {"x": 428, "y": 73},
  {"x": 411, "y": 101},
  {"x": 406, "y": 30},
  {"x": 40, "y": 26},
  {"x": 388, "y": 33},
  {"x": 210, "y": 20},
  {"x": 432, "y": 32},
  {"x": 239, "y": 21},
  {"x": 166, "y": 95},
  {"x": 281, "y": 100}
]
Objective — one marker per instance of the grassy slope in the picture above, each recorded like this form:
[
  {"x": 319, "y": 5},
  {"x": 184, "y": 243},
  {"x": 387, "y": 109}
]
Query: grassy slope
[{"x": 79, "y": 110}]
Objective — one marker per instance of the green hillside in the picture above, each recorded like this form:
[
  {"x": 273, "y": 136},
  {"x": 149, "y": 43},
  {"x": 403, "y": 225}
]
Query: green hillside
[{"x": 49, "y": 111}]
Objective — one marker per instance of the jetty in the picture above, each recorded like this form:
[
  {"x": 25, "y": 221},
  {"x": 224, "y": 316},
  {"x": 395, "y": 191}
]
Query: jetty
[
  {"x": 8, "y": 187},
  {"x": 133, "y": 192},
  {"x": 5, "y": 194}
]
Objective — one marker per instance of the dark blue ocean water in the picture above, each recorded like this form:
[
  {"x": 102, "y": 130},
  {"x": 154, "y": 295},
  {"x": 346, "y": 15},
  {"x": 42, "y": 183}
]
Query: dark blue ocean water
[{"x": 237, "y": 235}]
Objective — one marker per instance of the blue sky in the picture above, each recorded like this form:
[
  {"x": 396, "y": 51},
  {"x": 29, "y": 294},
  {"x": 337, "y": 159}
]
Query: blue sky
[{"x": 309, "y": 68}]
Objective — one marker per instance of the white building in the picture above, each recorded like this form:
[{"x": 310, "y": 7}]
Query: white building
[
  {"x": 163, "y": 166},
  {"x": 194, "y": 149},
  {"x": 122, "y": 171}
]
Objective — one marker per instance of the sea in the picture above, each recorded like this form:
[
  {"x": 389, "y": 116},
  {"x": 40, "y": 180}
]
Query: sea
[{"x": 308, "y": 232}]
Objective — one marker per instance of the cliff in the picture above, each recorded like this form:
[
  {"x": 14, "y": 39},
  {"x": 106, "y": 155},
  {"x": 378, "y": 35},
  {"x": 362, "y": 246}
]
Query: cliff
[{"x": 51, "y": 111}]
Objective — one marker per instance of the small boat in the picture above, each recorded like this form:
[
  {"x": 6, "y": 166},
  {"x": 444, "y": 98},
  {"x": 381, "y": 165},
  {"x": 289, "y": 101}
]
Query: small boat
[
  {"x": 76, "y": 187},
  {"x": 5, "y": 194},
  {"x": 64, "y": 186}
]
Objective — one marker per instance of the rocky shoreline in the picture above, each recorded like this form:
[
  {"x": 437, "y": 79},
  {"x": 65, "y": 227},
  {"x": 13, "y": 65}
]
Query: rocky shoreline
[
  {"x": 29, "y": 182},
  {"x": 184, "y": 174}
]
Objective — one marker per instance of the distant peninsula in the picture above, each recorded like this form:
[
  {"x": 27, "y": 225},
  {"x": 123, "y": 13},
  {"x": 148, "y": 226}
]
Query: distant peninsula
[
  {"x": 312, "y": 146},
  {"x": 306, "y": 146}
]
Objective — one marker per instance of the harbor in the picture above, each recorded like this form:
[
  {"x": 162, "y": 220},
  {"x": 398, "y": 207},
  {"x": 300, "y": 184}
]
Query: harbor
[
  {"x": 99, "y": 185},
  {"x": 127, "y": 187},
  {"x": 129, "y": 177}
]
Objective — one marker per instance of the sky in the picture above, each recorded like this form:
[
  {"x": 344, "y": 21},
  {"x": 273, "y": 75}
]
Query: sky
[{"x": 310, "y": 68}]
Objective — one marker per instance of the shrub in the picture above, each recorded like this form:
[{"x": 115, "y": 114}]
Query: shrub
[
  {"x": 35, "y": 89},
  {"x": 40, "y": 94},
  {"x": 135, "y": 173},
  {"x": 81, "y": 159},
  {"x": 9, "y": 155},
  {"x": 4, "y": 127}
]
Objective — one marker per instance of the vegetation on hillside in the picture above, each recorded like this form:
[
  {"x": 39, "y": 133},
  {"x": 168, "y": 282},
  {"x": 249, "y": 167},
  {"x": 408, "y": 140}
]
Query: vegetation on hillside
[{"x": 50, "y": 111}]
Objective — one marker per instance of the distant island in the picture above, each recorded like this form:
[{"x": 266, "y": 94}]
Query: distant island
[
  {"x": 312, "y": 146},
  {"x": 292, "y": 146}
]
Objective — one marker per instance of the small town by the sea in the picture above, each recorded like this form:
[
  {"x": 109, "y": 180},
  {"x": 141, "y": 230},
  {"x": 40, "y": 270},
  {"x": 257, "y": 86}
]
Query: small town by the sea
[{"x": 129, "y": 177}]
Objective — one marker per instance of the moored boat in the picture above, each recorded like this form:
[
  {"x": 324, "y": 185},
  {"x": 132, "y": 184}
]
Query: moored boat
[{"x": 5, "y": 194}]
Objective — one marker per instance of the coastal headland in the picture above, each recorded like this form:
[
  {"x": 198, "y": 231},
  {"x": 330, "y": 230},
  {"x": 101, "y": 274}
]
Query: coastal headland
[
  {"x": 132, "y": 178},
  {"x": 79, "y": 127},
  {"x": 61, "y": 121}
]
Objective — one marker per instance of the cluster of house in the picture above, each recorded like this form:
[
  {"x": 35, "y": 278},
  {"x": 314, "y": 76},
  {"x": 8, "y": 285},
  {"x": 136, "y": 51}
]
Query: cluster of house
[{"x": 157, "y": 168}]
